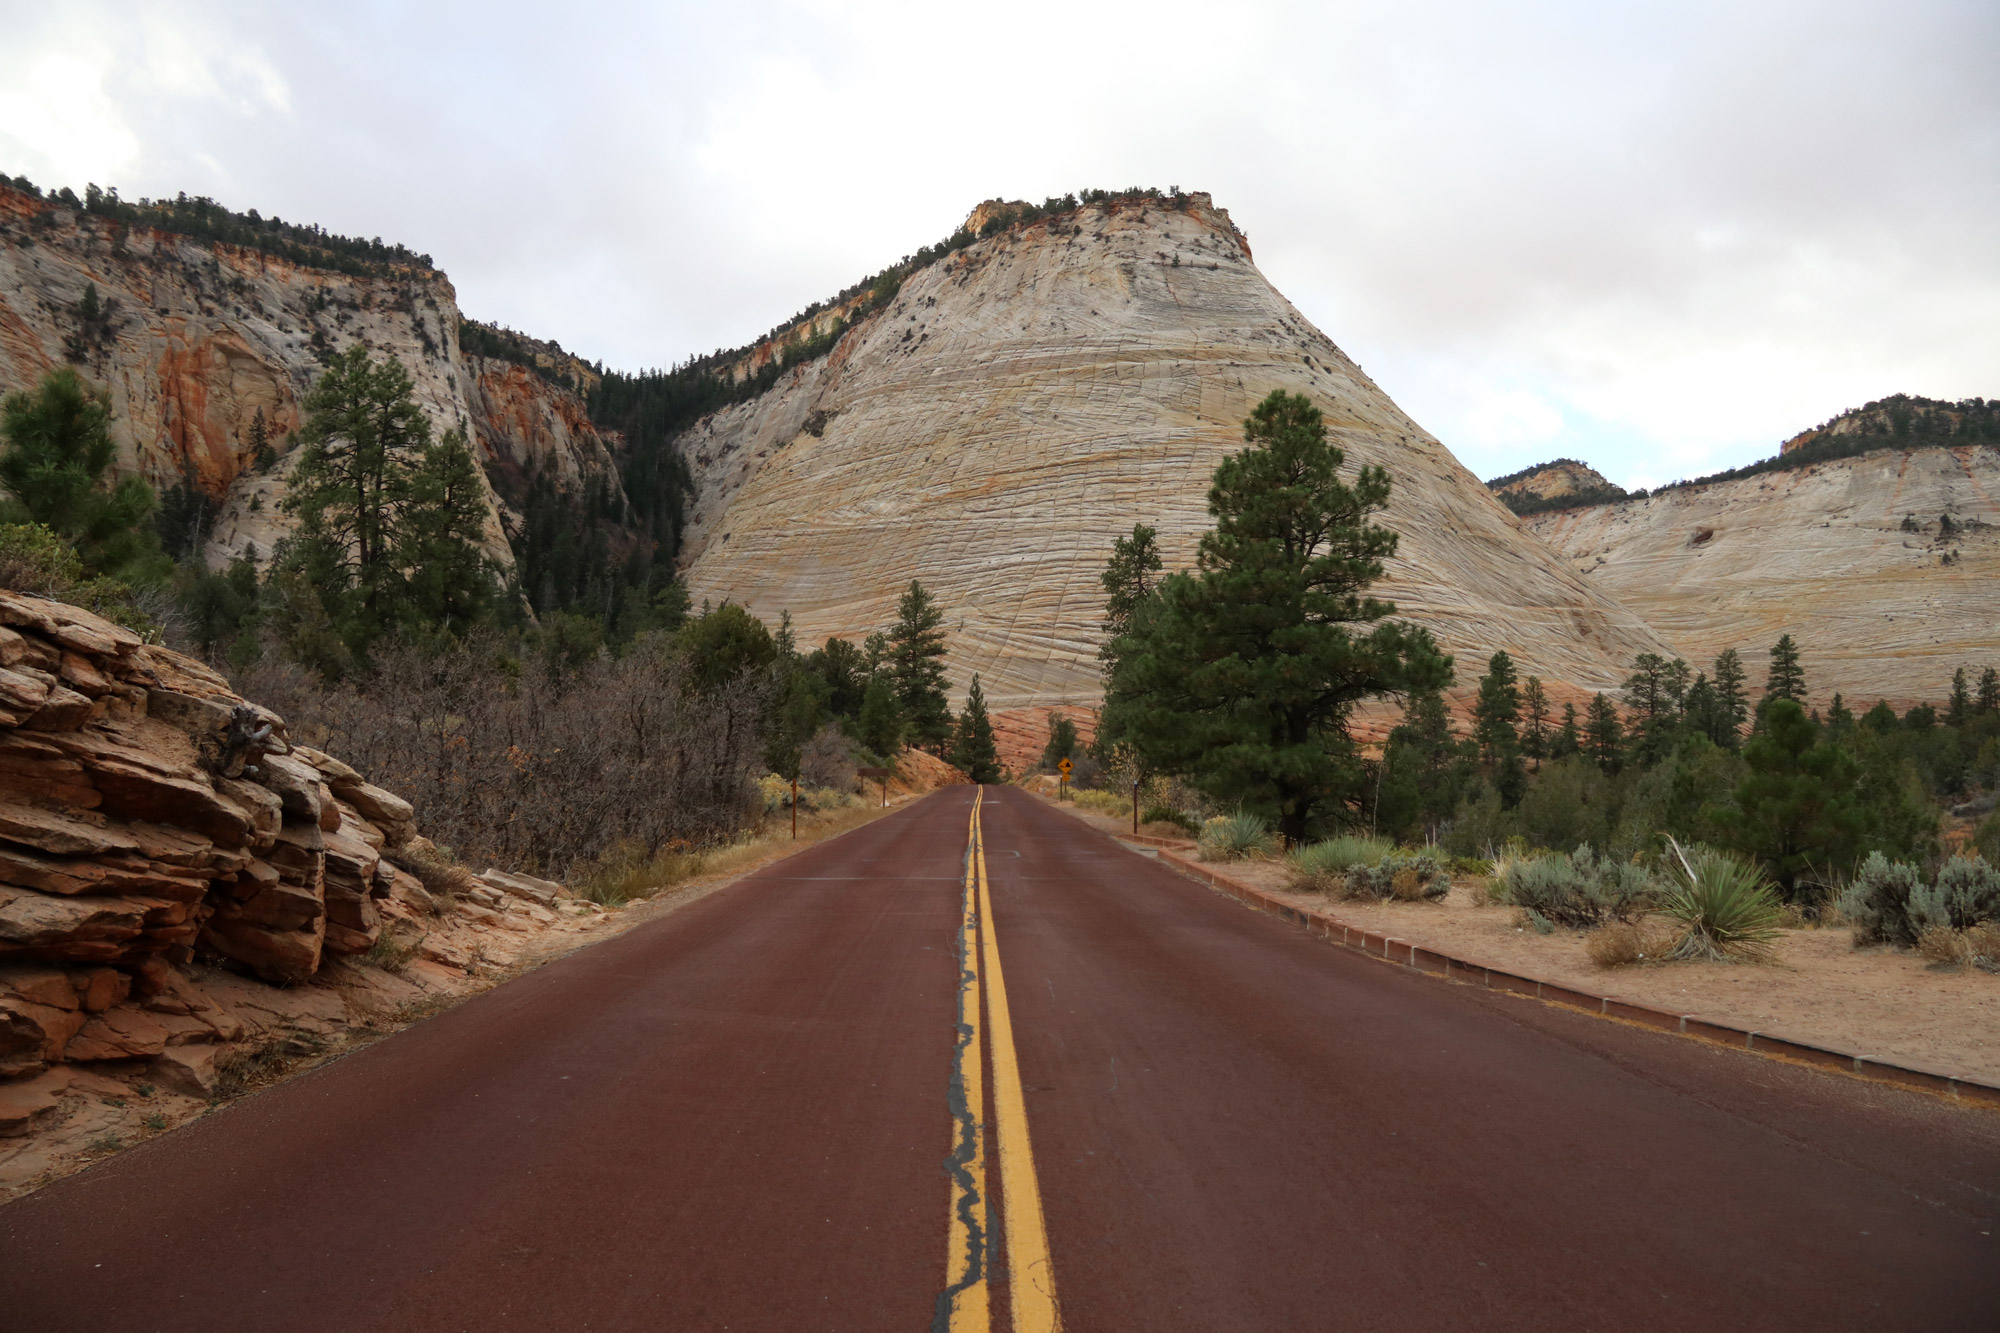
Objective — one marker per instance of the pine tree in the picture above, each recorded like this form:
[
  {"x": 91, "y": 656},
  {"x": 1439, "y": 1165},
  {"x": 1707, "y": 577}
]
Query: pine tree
[
  {"x": 1796, "y": 808},
  {"x": 916, "y": 651},
  {"x": 1989, "y": 691},
  {"x": 1960, "y": 710},
  {"x": 1242, "y": 675},
  {"x": 1658, "y": 691},
  {"x": 1495, "y": 712},
  {"x": 449, "y": 582},
  {"x": 1787, "y": 678},
  {"x": 262, "y": 456},
  {"x": 1426, "y": 769},
  {"x": 390, "y": 524},
  {"x": 1839, "y": 718},
  {"x": 1062, "y": 741},
  {"x": 1568, "y": 739},
  {"x": 1130, "y": 574},
  {"x": 56, "y": 466},
  {"x": 1732, "y": 700},
  {"x": 972, "y": 748},
  {"x": 1605, "y": 735},
  {"x": 1535, "y": 713},
  {"x": 880, "y": 725}
]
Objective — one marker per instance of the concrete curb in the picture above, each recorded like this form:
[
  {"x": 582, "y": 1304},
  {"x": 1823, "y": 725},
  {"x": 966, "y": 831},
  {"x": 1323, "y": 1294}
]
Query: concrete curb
[{"x": 1771, "y": 1045}]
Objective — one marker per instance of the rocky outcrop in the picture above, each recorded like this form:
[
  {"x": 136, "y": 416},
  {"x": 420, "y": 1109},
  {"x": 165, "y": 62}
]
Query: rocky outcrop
[
  {"x": 1883, "y": 567},
  {"x": 197, "y": 341},
  {"x": 1554, "y": 481},
  {"x": 154, "y": 824},
  {"x": 1025, "y": 400}
]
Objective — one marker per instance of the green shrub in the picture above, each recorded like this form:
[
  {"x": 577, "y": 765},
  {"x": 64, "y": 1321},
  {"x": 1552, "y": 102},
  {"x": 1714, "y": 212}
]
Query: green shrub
[
  {"x": 1966, "y": 893},
  {"x": 1235, "y": 838},
  {"x": 1321, "y": 867},
  {"x": 1579, "y": 890},
  {"x": 1725, "y": 906},
  {"x": 1404, "y": 876},
  {"x": 1166, "y": 814},
  {"x": 1877, "y": 901},
  {"x": 1471, "y": 865}
]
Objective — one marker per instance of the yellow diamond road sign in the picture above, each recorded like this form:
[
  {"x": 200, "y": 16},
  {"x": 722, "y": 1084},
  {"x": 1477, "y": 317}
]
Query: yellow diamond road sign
[{"x": 1065, "y": 766}]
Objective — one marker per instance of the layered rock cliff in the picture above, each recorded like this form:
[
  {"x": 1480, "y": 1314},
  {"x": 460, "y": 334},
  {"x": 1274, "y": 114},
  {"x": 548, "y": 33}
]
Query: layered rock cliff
[
  {"x": 197, "y": 340},
  {"x": 153, "y": 824},
  {"x": 1026, "y": 399},
  {"x": 1885, "y": 568}
]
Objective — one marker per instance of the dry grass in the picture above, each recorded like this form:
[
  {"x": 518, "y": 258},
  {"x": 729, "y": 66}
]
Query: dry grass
[
  {"x": 1976, "y": 946},
  {"x": 630, "y": 873},
  {"x": 1623, "y": 943}
]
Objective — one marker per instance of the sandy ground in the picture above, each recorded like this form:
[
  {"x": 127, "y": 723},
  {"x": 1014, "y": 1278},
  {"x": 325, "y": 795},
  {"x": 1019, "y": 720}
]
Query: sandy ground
[{"x": 1818, "y": 988}]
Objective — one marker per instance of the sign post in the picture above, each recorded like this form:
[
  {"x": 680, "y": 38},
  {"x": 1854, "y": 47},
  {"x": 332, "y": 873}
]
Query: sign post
[
  {"x": 1062, "y": 783},
  {"x": 1135, "y": 807},
  {"x": 881, "y": 773},
  {"x": 795, "y": 808}
]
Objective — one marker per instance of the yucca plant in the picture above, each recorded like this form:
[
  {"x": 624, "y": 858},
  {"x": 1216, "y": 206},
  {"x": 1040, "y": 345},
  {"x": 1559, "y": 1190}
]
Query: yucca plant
[
  {"x": 1236, "y": 837},
  {"x": 1724, "y": 905}
]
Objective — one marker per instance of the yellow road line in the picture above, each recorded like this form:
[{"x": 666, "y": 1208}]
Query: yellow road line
[
  {"x": 965, "y": 1304},
  {"x": 1031, "y": 1276}
]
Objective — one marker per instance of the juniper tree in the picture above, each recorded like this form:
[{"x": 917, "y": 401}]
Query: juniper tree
[{"x": 1242, "y": 674}]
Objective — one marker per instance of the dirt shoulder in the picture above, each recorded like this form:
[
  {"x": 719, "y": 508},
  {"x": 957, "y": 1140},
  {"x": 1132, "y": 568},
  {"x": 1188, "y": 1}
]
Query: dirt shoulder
[{"x": 1818, "y": 988}]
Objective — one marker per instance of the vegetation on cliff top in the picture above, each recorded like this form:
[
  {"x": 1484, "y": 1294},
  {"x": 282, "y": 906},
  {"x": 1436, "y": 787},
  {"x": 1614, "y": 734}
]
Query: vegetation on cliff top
[
  {"x": 1900, "y": 421},
  {"x": 305, "y": 244}
]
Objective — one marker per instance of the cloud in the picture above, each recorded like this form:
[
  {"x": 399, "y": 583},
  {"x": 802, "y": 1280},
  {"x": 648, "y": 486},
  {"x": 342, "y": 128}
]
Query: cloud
[{"x": 1657, "y": 236}]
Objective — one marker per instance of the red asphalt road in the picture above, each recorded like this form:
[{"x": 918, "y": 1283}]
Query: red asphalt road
[{"x": 735, "y": 1117}]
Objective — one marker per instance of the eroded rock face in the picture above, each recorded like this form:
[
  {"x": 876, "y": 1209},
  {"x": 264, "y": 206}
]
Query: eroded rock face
[
  {"x": 196, "y": 340},
  {"x": 1852, "y": 558},
  {"x": 166, "y": 819},
  {"x": 1025, "y": 401},
  {"x": 1563, "y": 477}
]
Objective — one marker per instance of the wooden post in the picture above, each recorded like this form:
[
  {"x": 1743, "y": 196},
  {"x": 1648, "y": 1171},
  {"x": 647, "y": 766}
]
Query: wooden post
[
  {"x": 795, "y": 808},
  {"x": 1135, "y": 807}
]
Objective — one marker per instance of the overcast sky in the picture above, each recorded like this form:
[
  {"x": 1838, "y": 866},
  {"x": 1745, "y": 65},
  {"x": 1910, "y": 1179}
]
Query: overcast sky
[{"x": 1660, "y": 238}]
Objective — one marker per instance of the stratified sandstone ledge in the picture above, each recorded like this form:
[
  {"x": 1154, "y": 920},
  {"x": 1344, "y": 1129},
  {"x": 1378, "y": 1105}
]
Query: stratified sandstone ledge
[{"x": 149, "y": 816}]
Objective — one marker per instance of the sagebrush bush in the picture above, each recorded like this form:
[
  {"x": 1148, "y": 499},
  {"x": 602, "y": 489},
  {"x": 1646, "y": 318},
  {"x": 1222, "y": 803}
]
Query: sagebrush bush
[
  {"x": 1877, "y": 901},
  {"x": 1578, "y": 890},
  {"x": 1966, "y": 893},
  {"x": 1235, "y": 838},
  {"x": 1321, "y": 867},
  {"x": 1405, "y": 876},
  {"x": 1724, "y": 906}
]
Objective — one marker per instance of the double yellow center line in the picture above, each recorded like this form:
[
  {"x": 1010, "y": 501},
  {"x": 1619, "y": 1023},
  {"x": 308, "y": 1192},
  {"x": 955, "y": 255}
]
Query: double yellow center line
[{"x": 965, "y": 1304}]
